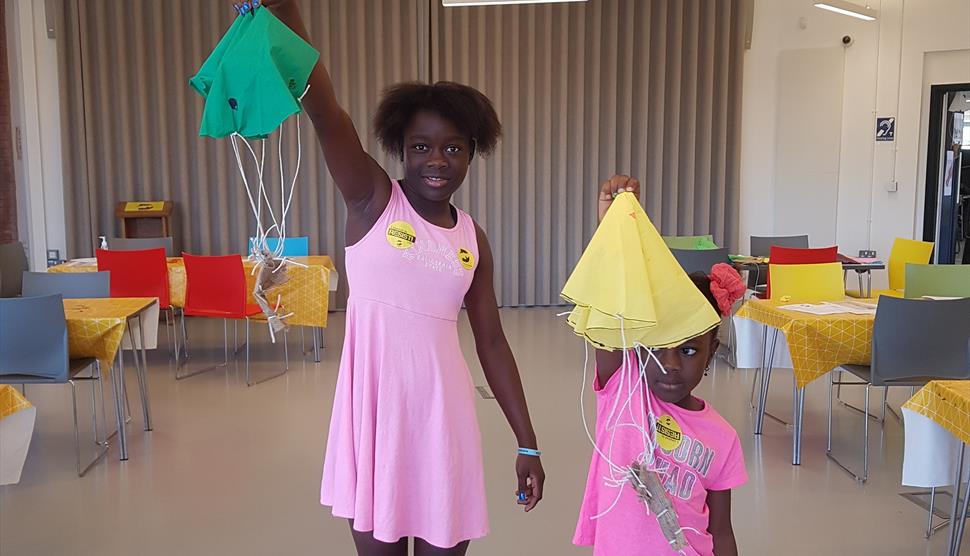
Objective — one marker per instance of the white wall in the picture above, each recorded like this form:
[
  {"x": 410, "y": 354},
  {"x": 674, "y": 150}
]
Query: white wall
[
  {"x": 36, "y": 107},
  {"x": 884, "y": 75}
]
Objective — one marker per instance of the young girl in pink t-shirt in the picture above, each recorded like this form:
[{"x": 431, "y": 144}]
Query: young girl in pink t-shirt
[{"x": 697, "y": 458}]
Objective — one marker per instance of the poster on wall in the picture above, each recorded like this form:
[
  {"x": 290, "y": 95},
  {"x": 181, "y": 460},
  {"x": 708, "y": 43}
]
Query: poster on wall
[
  {"x": 886, "y": 129},
  {"x": 948, "y": 175}
]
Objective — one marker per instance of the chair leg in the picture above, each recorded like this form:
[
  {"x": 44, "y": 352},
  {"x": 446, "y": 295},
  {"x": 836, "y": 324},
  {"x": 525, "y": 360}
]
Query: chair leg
[
  {"x": 101, "y": 449},
  {"x": 225, "y": 362},
  {"x": 929, "y": 519},
  {"x": 828, "y": 440},
  {"x": 865, "y": 452},
  {"x": 286, "y": 360},
  {"x": 754, "y": 384}
]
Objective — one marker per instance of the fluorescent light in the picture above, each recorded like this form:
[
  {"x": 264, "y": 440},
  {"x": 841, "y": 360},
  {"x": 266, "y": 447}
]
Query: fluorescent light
[
  {"x": 848, "y": 8},
  {"x": 457, "y": 3}
]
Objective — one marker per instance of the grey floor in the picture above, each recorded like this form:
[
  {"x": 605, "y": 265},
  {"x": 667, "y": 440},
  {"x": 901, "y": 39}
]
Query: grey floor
[{"x": 231, "y": 469}]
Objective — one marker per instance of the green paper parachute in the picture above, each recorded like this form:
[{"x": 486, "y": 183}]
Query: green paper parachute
[{"x": 254, "y": 78}]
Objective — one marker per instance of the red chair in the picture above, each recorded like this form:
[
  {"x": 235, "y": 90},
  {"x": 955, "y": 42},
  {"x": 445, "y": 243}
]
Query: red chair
[
  {"x": 216, "y": 288},
  {"x": 794, "y": 255},
  {"x": 140, "y": 273}
]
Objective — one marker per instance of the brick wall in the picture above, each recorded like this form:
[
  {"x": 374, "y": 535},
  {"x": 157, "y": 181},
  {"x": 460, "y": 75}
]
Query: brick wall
[{"x": 8, "y": 188}]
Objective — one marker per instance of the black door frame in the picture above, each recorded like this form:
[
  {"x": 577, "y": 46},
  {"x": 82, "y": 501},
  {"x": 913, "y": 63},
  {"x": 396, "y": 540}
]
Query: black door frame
[{"x": 932, "y": 188}]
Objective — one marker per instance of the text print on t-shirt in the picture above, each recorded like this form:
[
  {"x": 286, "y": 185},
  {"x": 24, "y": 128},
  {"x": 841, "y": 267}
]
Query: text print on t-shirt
[{"x": 678, "y": 468}]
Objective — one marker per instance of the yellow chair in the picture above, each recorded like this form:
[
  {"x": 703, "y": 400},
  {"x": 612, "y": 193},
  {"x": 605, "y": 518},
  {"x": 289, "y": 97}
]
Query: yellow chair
[
  {"x": 904, "y": 251},
  {"x": 807, "y": 283}
]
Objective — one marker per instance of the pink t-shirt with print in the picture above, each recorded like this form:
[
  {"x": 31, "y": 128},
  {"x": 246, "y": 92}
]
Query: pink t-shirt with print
[{"x": 709, "y": 457}]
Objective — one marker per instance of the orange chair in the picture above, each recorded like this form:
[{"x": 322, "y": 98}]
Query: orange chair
[{"x": 216, "y": 288}]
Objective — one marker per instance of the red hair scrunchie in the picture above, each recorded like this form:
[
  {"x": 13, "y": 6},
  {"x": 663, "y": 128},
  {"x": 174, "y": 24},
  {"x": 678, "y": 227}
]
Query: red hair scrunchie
[{"x": 727, "y": 286}]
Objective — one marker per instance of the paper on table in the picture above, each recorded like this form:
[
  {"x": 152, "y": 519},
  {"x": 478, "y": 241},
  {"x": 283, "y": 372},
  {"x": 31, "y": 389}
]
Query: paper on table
[
  {"x": 82, "y": 262},
  {"x": 833, "y": 308},
  {"x": 940, "y": 297}
]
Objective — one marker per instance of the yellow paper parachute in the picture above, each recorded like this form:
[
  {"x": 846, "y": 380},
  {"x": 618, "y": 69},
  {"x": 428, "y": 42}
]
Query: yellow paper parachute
[{"x": 629, "y": 289}]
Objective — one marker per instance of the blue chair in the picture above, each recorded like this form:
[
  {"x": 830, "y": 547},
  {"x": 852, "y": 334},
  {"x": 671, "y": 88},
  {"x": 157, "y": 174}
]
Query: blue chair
[
  {"x": 292, "y": 246},
  {"x": 33, "y": 350},
  {"x": 70, "y": 285}
]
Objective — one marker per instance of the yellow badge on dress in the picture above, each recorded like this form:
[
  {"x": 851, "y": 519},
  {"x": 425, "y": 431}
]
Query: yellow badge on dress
[
  {"x": 400, "y": 235},
  {"x": 669, "y": 435},
  {"x": 466, "y": 259}
]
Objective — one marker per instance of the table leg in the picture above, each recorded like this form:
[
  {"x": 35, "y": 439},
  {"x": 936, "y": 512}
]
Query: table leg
[
  {"x": 862, "y": 290},
  {"x": 868, "y": 285},
  {"x": 118, "y": 383},
  {"x": 798, "y": 408},
  {"x": 953, "y": 547},
  {"x": 316, "y": 344},
  {"x": 771, "y": 340},
  {"x": 963, "y": 517},
  {"x": 139, "y": 374},
  {"x": 146, "y": 401}
]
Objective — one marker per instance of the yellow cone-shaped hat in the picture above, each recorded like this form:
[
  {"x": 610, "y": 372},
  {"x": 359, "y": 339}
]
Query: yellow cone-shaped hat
[{"x": 629, "y": 289}]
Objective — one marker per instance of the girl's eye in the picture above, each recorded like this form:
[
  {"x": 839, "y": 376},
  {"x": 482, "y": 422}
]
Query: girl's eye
[
  {"x": 452, "y": 149},
  {"x": 689, "y": 351},
  {"x": 420, "y": 147}
]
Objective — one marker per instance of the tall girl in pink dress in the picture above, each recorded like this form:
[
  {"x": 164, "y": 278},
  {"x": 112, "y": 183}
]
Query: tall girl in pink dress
[{"x": 404, "y": 453}]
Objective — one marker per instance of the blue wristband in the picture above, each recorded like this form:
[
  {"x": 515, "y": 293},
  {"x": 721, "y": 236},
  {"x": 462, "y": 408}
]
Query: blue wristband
[{"x": 529, "y": 452}]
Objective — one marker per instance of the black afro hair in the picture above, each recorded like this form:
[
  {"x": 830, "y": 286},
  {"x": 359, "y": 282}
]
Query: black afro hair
[{"x": 465, "y": 107}]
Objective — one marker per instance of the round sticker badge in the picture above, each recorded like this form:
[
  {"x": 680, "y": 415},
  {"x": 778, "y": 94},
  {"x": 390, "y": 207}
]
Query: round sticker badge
[
  {"x": 669, "y": 435},
  {"x": 400, "y": 235},
  {"x": 466, "y": 259}
]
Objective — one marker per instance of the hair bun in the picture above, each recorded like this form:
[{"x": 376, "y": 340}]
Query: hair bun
[{"x": 727, "y": 286}]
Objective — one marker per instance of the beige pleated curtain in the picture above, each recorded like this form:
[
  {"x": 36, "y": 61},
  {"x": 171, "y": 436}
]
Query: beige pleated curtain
[{"x": 646, "y": 87}]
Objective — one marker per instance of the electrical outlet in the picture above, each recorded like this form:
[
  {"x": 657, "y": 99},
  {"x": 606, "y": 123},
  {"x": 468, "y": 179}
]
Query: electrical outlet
[
  {"x": 867, "y": 253},
  {"x": 892, "y": 186}
]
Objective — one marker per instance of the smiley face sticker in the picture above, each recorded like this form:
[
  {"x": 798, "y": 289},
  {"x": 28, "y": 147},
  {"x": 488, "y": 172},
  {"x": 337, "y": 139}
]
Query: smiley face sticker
[
  {"x": 400, "y": 235},
  {"x": 466, "y": 259}
]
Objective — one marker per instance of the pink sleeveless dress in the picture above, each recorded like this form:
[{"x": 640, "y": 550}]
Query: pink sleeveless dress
[{"x": 404, "y": 456}]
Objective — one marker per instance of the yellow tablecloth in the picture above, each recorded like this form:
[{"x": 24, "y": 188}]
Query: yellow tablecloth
[
  {"x": 95, "y": 327},
  {"x": 11, "y": 401},
  {"x": 818, "y": 343},
  {"x": 305, "y": 293},
  {"x": 947, "y": 402}
]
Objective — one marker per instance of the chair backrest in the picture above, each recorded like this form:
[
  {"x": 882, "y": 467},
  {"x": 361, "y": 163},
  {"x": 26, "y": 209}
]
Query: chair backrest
[
  {"x": 292, "y": 246},
  {"x": 142, "y": 243},
  {"x": 700, "y": 260},
  {"x": 33, "y": 340},
  {"x": 944, "y": 280},
  {"x": 800, "y": 255},
  {"x": 215, "y": 285},
  {"x": 690, "y": 242},
  {"x": 13, "y": 263},
  {"x": 915, "y": 338},
  {"x": 761, "y": 245},
  {"x": 69, "y": 285},
  {"x": 807, "y": 283},
  {"x": 142, "y": 273},
  {"x": 906, "y": 251}
]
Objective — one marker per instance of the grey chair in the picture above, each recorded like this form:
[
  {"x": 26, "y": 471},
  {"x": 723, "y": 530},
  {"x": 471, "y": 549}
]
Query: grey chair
[
  {"x": 142, "y": 243},
  {"x": 33, "y": 350},
  {"x": 694, "y": 260},
  {"x": 761, "y": 247},
  {"x": 13, "y": 263},
  {"x": 913, "y": 342},
  {"x": 74, "y": 285}
]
